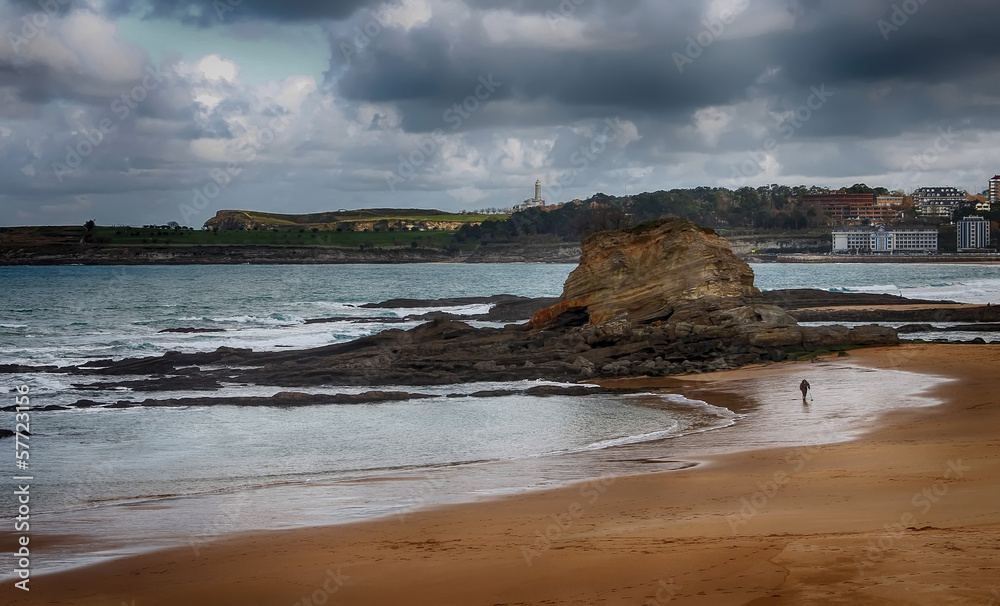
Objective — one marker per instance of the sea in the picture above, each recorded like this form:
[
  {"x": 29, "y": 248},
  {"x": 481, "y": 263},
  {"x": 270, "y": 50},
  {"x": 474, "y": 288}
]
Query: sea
[{"x": 111, "y": 482}]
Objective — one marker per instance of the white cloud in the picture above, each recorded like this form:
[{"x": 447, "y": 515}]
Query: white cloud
[
  {"x": 506, "y": 28},
  {"x": 414, "y": 13},
  {"x": 711, "y": 122},
  {"x": 214, "y": 67},
  {"x": 82, "y": 43}
]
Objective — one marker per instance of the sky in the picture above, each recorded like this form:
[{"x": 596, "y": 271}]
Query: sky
[{"x": 149, "y": 112}]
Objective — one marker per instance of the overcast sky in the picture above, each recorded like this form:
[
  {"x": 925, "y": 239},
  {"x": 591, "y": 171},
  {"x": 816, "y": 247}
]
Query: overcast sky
[{"x": 135, "y": 112}]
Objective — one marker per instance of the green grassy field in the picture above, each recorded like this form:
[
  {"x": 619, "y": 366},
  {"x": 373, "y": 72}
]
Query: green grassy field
[{"x": 323, "y": 220}]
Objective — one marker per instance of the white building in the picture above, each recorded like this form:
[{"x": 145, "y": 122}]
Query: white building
[
  {"x": 973, "y": 233},
  {"x": 938, "y": 201},
  {"x": 882, "y": 239},
  {"x": 995, "y": 190},
  {"x": 532, "y": 202}
]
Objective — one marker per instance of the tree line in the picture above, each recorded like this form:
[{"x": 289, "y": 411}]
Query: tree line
[{"x": 770, "y": 207}]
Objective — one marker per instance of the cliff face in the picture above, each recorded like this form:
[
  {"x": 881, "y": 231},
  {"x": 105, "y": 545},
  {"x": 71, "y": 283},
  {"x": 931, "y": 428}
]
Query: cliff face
[
  {"x": 233, "y": 220},
  {"x": 669, "y": 270}
]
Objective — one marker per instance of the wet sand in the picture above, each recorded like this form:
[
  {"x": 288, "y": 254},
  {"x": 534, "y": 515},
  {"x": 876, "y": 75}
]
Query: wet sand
[{"x": 907, "y": 514}]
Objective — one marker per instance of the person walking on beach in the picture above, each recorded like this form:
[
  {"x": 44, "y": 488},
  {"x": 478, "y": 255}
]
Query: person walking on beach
[{"x": 804, "y": 388}]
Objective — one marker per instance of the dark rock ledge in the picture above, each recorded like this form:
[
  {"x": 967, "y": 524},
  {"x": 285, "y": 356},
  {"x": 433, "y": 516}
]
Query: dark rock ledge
[{"x": 666, "y": 298}]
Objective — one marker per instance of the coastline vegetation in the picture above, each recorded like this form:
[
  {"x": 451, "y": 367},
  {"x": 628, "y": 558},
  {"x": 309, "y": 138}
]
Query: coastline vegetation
[{"x": 772, "y": 211}]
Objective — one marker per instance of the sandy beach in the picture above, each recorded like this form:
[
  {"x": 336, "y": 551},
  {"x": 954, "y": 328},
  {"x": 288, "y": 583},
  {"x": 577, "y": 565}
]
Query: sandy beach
[{"x": 906, "y": 514}]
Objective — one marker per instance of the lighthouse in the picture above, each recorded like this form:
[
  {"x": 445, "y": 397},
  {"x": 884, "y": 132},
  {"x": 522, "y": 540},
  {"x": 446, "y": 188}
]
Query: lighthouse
[{"x": 532, "y": 202}]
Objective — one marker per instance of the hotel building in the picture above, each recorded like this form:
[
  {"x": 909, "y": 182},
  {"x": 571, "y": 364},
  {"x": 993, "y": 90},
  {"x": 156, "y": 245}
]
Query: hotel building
[
  {"x": 973, "y": 233},
  {"x": 882, "y": 239},
  {"x": 938, "y": 201},
  {"x": 854, "y": 208}
]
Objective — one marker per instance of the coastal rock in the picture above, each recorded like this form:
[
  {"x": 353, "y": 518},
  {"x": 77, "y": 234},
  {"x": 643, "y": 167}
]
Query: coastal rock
[
  {"x": 666, "y": 298},
  {"x": 866, "y": 336},
  {"x": 667, "y": 270},
  {"x": 756, "y": 314}
]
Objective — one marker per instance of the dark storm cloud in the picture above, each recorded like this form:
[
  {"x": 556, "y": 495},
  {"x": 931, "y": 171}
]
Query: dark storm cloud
[
  {"x": 216, "y": 12},
  {"x": 427, "y": 75},
  {"x": 700, "y": 100},
  {"x": 37, "y": 83},
  {"x": 52, "y": 7},
  {"x": 850, "y": 46}
]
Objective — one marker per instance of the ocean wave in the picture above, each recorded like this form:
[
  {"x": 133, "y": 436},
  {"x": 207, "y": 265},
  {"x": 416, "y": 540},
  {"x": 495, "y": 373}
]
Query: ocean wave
[
  {"x": 873, "y": 288},
  {"x": 274, "y": 319}
]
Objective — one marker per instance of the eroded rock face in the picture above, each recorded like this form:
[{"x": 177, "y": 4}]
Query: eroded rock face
[{"x": 669, "y": 270}]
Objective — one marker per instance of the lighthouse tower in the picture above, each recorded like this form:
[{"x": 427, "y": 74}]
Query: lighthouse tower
[{"x": 532, "y": 202}]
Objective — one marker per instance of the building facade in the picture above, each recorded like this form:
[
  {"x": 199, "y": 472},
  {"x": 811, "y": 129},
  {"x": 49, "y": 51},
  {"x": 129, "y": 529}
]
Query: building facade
[
  {"x": 885, "y": 240},
  {"x": 532, "y": 202},
  {"x": 973, "y": 233},
  {"x": 994, "y": 190},
  {"x": 939, "y": 202},
  {"x": 855, "y": 208}
]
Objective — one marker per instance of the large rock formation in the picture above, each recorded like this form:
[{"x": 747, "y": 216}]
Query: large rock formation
[
  {"x": 665, "y": 298},
  {"x": 668, "y": 270}
]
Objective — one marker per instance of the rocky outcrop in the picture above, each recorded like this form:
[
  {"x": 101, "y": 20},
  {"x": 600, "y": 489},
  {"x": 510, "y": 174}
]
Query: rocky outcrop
[
  {"x": 803, "y": 298},
  {"x": 525, "y": 253},
  {"x": 665, "y": 298},
  {"x": 669, "y": 270},
  {"x": 901, "y": 313}
]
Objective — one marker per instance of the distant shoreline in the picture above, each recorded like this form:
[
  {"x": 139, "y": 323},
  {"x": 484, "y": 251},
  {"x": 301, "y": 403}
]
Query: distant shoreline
[
  {"x": 941, "y": 259},
  {"x": 278, "y": 255},
  {"x": 259, "y": 254}
]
